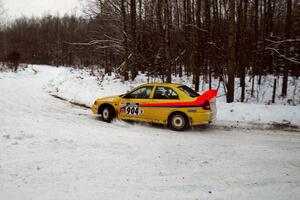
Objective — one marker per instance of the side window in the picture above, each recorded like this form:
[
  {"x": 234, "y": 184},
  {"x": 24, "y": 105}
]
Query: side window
[
  {"x": 141, "y": 93},
  {"x": 165, "y": 93}
]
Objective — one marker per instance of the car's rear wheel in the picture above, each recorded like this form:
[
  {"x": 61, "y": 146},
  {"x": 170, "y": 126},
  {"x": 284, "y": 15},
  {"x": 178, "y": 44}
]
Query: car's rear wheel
[
  {"x": 107, "y": 113},
  {"x": 178, "y": 122}
]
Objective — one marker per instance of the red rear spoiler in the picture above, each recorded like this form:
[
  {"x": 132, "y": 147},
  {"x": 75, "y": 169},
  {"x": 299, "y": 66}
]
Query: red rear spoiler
[{"x": 208, "y": 95}]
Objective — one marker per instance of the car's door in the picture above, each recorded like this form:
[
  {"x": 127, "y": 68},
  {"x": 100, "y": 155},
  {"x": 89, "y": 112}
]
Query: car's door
[
  {"x": 165, "y": 95},
  {"x": 130, "y": 108}
]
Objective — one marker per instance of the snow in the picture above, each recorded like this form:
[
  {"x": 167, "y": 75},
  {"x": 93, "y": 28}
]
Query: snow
[
  {"x": 258, "y": 114},
  {"x": 80, "y": 87},
  {"x": 50, "y": 149},
  {"x": 53, "y": 150}
]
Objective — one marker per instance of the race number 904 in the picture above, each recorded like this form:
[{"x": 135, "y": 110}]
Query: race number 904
[{"x": 133, "y": 110}]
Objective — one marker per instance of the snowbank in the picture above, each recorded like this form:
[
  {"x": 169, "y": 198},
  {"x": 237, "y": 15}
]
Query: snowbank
[
  {"x": 80, "y": 87},
  {"x": 241, "y": 114},
  {"x": 23, "y": 71}
]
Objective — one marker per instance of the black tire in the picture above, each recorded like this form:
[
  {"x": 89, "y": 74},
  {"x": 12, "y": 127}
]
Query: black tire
[
  {"x": 178, "y": 122},
  {"x": 107, "y": 114}
]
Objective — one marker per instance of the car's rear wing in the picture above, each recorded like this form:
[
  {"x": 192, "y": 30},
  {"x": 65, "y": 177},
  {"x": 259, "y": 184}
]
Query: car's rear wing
[{"x": 208, "y": 95}]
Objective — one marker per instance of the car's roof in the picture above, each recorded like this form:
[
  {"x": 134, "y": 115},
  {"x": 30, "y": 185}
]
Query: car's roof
[{"x": 162, "y": 84}]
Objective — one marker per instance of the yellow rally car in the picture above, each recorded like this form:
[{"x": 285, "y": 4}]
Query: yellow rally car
[{"x": 175, "y": 105}]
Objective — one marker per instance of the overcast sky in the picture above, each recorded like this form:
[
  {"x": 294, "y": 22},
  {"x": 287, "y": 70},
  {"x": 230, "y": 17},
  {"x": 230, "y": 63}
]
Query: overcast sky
[{"x": 17, "y": 8}]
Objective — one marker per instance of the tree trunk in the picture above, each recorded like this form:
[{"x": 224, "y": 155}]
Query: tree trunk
[
  {"x": 125, "y": 39},
  {"x": 134, "y": 39},
  {"x": 133, "y": 24},
  {"x": 274, "y": 90},
  {"x": 255, "y": 57},
  {"x": 199, "y": 47},
  {"x": 287, "y": 36},
  {"x": 231, "y": 49},
  {"x": 167, "y": 40},
  {"x": 244, "y": 51}
]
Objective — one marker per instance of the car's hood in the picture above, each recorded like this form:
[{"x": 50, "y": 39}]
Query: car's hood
[{"x": 110, "y": 99}]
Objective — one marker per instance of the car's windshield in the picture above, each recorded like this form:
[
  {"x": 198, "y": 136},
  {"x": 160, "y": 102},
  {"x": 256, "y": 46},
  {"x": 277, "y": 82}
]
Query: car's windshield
[{"x": 188, "y": 91}]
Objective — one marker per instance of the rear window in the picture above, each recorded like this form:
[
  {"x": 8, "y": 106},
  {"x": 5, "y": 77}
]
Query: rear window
[{"x": 188, "y": 91}]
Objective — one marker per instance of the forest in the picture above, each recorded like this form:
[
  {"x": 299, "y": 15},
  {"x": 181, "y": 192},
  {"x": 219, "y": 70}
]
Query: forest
[{"x": 205, "y": 39}]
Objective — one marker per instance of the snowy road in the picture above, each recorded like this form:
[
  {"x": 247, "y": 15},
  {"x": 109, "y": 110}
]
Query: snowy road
[{"x": 52, "y": 150}]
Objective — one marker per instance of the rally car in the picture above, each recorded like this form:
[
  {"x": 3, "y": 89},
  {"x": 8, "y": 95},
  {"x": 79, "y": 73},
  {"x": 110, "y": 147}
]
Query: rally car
[{"x": 174, "y": 105}]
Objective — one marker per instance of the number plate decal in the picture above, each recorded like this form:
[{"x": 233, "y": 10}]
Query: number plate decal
[{"x": 133, "y": 109}]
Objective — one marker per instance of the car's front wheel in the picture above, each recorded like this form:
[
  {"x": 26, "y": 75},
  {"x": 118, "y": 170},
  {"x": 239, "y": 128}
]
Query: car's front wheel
[
  {"x": 178, "y": 122},
  {"x": 107, "y": 114}
]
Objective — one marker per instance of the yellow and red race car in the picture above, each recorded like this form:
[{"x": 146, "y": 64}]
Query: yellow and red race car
[{"x": 175, "y": 105}]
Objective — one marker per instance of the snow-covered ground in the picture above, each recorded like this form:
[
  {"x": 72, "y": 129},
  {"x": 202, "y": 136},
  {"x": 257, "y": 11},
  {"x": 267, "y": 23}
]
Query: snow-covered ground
[
  {"x": 50, "y": 149},
  {"x": 80, "y": 87}
]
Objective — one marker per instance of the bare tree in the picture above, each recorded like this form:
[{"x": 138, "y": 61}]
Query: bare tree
[
  {"x": 231, "y": 49},
  {"x": 199, "y": 44},
  {"x": 288, "y": 25}
]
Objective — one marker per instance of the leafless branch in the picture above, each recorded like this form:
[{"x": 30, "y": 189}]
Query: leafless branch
[
  {"x": 196, "y": 27},
  {"x": 115, "y": 39},
  {"x": 177, "y": 58},
  {"x": 110, "y": 47},
  {"x": 121, "y": 67},
  {"x": 93, "y": 42},
  {"x": 283, "y": 56},
  {"x": 283, "y": 41},
  {"x": 216, "y": 46},
  {"x": 117, "y": 7}
]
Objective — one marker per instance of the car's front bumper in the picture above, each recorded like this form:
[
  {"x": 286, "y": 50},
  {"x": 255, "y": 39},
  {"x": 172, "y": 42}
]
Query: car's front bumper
[{"x": 95, "y": 109}]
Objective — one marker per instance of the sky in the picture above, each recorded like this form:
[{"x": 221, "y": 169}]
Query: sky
[{"x": 18, "y": 8}]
